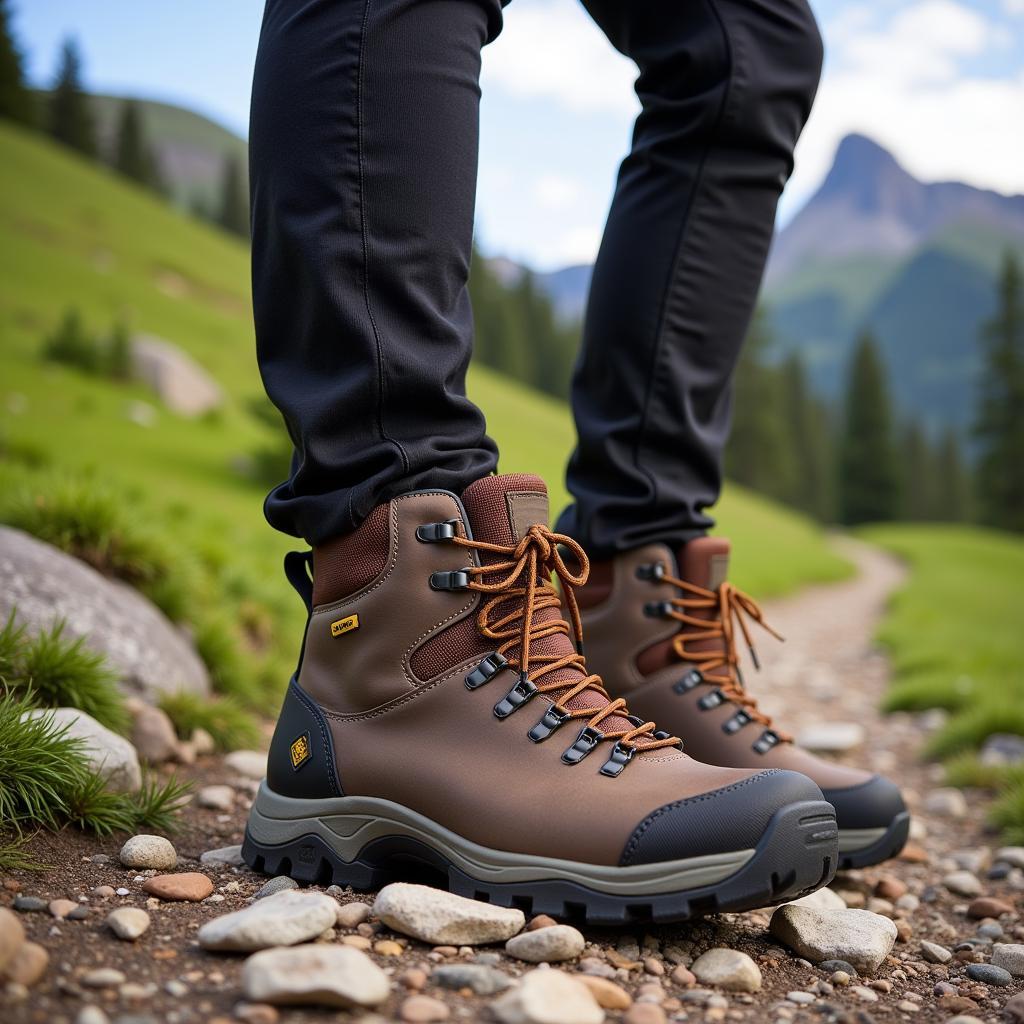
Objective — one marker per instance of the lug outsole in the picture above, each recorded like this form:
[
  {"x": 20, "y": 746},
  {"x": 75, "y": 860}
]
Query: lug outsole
[
  {"x": 884, "y": 848},
  {"x": 797, "y": 854}
]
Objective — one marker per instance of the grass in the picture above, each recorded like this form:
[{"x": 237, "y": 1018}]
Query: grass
[
  {"x": 231, "y": 725},
  {"x": 954, "y": 635}
]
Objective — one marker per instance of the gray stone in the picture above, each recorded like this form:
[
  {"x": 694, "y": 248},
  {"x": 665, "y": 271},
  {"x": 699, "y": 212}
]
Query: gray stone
[
  {"x": 147, "y": 652},
  {"x": 821, "y": 899},
  {"x": 442, "y": 918},
  {"x": 128, "y": 923},
  {"x": 279, "y": 883},
  {"x": 546, "y": 945},
  {"x": 251, "y": 764},
  {"x": 800, "y": 997},
  {"x": 832, "y": 737},
  {"x": 29, "y": 904},
  {"x": 91, "y": 1015},
  {"x": 216, "y": 798},
  {"x": 314, "y": 975},
  {"x": 547, "y": 996},
  {"x": 153, "y": 735},
  {"x": 838, "y": 965},
  {"x": 728, "y": 969},
  {"x": 869, "y": 995},
  {"x": 284, "y": 919},
  {"x": 350, "y": 915},
  {"x": 857, "y": 936},
  {"x": 174, "y": 376},
  {"x": 1013, "y": 1011},
  {"x": 1002, "y": 748},
  {"x": 963, "y": 883},
  {"x": 229, "y": 856},
  {"x": 103, "y": 977},
  {"x": 105, "y": 752},
  {"x": 989, "y": 974},
  {"x": 934, "y": 953},
  {"x": 946, "y": 802},
  {"x": 1012, "y": 855},
  {"x": 1010, "y": 957},
  {"x": 144, "y": 851},
  {"x": 483, "y": 980}
]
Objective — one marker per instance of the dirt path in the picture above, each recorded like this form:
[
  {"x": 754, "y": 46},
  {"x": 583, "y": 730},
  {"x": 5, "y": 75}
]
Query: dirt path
[{"x": 827, "y": 671}]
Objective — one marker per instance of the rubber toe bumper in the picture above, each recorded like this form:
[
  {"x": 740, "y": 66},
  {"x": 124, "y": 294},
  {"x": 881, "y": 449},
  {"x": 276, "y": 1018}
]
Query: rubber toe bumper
[
  {"x": 732, "y": 818},
  {"x": 873, "y": 821}
]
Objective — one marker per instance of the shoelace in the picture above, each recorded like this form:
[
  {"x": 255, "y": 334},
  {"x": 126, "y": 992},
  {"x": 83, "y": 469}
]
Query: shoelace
[
  {"x": 524, "y": 577},
  {"x": 734, "y": 608}
]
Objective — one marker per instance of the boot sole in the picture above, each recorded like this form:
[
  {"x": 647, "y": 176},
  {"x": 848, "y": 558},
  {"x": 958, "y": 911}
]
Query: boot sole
[
  {"x": 365, "y": 843},
  {"x": 860, "y": 848}
]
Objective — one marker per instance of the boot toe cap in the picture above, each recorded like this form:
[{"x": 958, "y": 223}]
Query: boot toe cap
[
  {"x": 871, "y": 804},
  {"x": 722, "y": 820}
]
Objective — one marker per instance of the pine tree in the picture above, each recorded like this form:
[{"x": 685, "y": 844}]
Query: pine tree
[
  {"x": 868, "y": 481},
  {"x": 16, "y": 103},
  {"x": 999, "y": 426},
  {"x": 233, "y": 214},
  {"x": 132, "y": 156},
  {"x": 71, "y": 119},
  {"x": 810, "y": 438},
  {"x": 918, "y": 502},
  {"x": 952, "y": 484}
]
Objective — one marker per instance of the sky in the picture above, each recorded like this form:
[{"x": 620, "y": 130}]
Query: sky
[{"x": 938, "y": 82}]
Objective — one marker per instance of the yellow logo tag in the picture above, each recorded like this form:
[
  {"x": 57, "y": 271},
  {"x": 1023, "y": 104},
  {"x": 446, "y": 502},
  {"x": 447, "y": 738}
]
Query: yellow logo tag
[
  {"x": 345, "y": 625},
  {"x": 300, "y": 751}
]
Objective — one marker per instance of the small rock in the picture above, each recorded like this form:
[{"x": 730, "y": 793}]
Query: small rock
[
  {"x": 279, "y": 883},
  {"x": 388, "y": 947},
  {"x": 1012, "y": 855},
  {"x": 841, "y": 978},
  {"x": 352, "y": 914},
  {"x": 889, "y": 887},
  {"x": 29, "y": 904},
  {"x": 800, "y": 997},
  {"x": 946, "y": 803},
  {"x": 934, "y": 953},
  {"x": 838, "y": 965},
  {"x": 128, "y": 923},
  {"x": 317, "y": 975},
  {"x": 821, "y": 899},
  {"x": 647, "y": 1013},
  {"x": 481, "y": 979},
  {"x": 861, "y": 938},
  {"x": 148, "y": 852},
  {"x": 988, "y": 906},
  {"x": 1010, "y": 957},
  {"x": 1002, "y": 748},
  {"x": 422, "y": 1010},
  {"x": 438, "y": 917},
  {"x": 989, "y": 974},
  {"x": 832, "y": 737},
  {"x": 865, "y": 993},
  {"x": 414, "y": 978},
  {"x": 216, "y": 798},
  {"x": 229, "y": 856},
  {"x": 61, "y": 908},
  {"x": 963, "y": 883},
  {"x": 189, "y": 886},
  {"x": 546, "y": 945},
  {"x": 153, "y": 735},
  {"x": 284, "y": 919},
  {"x": 27, "y": 965},
  {"x": 103, "y": 892},
  {"x": 103, "y": 977},
  {"x": 91, "y": 1015},
  {"x": 541, "y": 921},
  {"x": 608, "y": 995},
  {"x": 906, "y": 1006},
  {"x": 728, "y": 969},
  {"x": 653, "y": 966},
  {"x": 251, "y": 764},
  {"x": 547, "y": 996},
  {"x": 202, "y": 742},
  {"x": 1013, "y": 1011},
  {"x": 682, "y": 975},
  {"x": 908, "y": 902}
]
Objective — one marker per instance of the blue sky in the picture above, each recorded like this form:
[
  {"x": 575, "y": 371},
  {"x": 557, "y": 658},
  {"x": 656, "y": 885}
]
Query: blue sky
[{"x": 939, "y": 82}]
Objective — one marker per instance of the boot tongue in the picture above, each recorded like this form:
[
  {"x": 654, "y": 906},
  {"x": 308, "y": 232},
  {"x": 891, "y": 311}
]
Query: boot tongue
[
  {"x": 502, "y": 509},
  {"x": 704, "y": 562}
]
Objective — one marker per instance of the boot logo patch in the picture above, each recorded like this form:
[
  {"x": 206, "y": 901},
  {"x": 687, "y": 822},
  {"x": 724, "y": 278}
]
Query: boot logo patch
[
  {"x": 300, "y": 751},
  {"x": 345, "y": 625}
]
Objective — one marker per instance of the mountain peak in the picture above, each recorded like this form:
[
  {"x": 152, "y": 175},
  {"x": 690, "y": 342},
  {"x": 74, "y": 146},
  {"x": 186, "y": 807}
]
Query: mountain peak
[{"x": 867, "y": 174}]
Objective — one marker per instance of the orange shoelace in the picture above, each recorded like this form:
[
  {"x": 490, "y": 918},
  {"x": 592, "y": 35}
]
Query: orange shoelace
[
  {"x": 733, "y": 608},
  {"x": 523, "y": 578}
]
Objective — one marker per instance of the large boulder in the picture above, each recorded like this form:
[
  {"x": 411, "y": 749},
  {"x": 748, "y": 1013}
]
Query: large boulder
[
  {"x": 179, "y": 381},
  {"x": 148, "y": 652}
]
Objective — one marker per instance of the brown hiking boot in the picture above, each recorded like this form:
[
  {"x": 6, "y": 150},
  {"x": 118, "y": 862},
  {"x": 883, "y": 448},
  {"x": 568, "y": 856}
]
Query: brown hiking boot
[
  {"x": 441, "y": 714},
  {"x": 664, "y": 635}
]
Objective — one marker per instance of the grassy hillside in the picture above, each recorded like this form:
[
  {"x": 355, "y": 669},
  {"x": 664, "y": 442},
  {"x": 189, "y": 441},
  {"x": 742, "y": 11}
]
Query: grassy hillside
[{"x": 73, "y": 235}]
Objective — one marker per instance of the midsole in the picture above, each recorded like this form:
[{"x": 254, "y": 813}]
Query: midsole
[
  {"x": 347, "y": 824},
  {"x": 851, "y": 839}
]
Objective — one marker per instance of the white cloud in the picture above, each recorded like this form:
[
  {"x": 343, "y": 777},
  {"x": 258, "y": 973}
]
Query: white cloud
[
  {"x": 556, "y": 192},
  {"x": 549, "y": 50},
  {"x": 576, "y": 245}
]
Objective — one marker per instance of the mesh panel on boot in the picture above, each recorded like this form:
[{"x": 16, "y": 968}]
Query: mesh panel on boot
[{"x": 348, "y": 563}]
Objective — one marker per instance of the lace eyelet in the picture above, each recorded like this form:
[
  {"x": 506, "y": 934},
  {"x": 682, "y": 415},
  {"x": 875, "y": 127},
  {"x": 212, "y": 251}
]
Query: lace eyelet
[
  {"x": 658, "y": 609},
  {"x": 768, "y": 739},
  {"x": 431, "y": 533},
  {"x": 653, "y": 572},
  {"x": 485, "y": 671},
  {"x": 692, "y": 679},
  {"x": 552, "y": 719},
  {"x": 737, "y": 722},
  {"x": 584, "y": 744},
  {"x": 618, "y": 759},
  {"x": 515, "y": 698},
  {"x": 457, "y": 579},
  {"x": 711, "y": 700}
]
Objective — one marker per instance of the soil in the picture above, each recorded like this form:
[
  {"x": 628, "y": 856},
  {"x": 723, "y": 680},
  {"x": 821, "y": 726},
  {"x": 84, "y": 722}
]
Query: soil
[{"x": 827, "y": 670}]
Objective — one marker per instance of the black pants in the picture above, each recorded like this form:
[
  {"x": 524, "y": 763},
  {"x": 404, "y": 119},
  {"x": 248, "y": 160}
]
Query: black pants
[{"x": 363, "y": 158}]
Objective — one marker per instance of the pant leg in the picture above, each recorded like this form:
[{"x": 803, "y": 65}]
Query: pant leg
[
  {"x": 725, "y": 88},
  {"x": 363, "y": 158}
]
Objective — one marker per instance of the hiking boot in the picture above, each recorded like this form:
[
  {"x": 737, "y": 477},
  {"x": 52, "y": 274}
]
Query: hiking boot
[
  {"x": 442, "y": 715},
  {"x": 663, "y": 633}
]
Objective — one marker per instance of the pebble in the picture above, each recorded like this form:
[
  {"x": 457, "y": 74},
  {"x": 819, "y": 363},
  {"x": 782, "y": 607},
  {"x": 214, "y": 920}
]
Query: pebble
[
  {"x": 28, "y": 964},
  {"x": 683, "y": 976},
  {"x": 608, "y": 995},
  {"x": 596, "y": 967},
  {"x": 963, "y": 883},
  {"x": 728, "y": 969},
  {"x": 821, "y": 899},
  {"x": 103, "y": 892},
  {"x": 946, "y": 803},
  {"x": 188, "y": 886},
  {"x": 841, "y": 978},
  {"x": 29, "y": 904},
  {"x": 546, "y": 945},
  {"x": 906, "y": 1006},
  {"x": 216, "y": 798},
  {"x": 1012, "y": 855},
  {"x": 103, "y": 977},
  {"x": 645, "y": 1013},
  {"x": 865, "y": 993},
  {"x": 481, "y": 979},
  {"x": 148, "y": 852},
  {"x": 152, "y": 735},
  {"x": 349, "y": 915},
  {"x": 989, "y": 974},
  {"x": 128, "y": 923},
  {"x": 859, "y": 937},
  {"x": 800, "y": 997},
  {"x": 540, "y": 921},
  {"x": 547, "y": 996},
  {"x": 250, "y": 764},
  {"x": 256, "y": 1013},
  {"x": 229, "y": 856},
  {"x": 284, "y": 919},
  {"x": 438, "y": 917},
  {"x": 279, "y": 883},
  {"x": 388, "y": 947},
  {"x": 12, "y": 936},
  {"x": 832, "y": 737},
  {"x": 1013, "y": 1011},
  {"x": 934, "y": 953},
  {"x": 61, "y": 908},
  {"x": 1010, "y": 957},
  {"x": 889, "y": 887},
  {"x": 91, "y": 1015},
  {"x": 988, "y": 906},
  {"x": 320, "y": 975},
  {"x": 422, "y": 1010}
]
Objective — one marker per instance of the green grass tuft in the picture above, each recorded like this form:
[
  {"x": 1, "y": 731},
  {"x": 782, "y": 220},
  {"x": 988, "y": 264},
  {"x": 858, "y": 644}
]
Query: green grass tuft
[
  {"x": 224, "y": 718},
  {"x": 968, "y": 772},
  {"x": 156, "y": 805},
  {"x": 12, "y": 643},
  {"x": 1008, "y": 811},
  {"x": 15, "y": 854}
]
